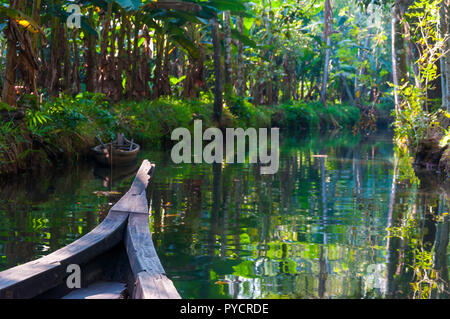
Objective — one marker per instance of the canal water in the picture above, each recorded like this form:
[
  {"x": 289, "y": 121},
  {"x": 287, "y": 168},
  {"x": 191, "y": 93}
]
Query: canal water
[{"x": 342, "y": 218}]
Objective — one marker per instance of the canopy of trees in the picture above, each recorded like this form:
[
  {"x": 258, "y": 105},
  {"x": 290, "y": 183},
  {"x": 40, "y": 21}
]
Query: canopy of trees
[
  {"x": 269, "y": 51},
  {"x": 359, "y": 52}
]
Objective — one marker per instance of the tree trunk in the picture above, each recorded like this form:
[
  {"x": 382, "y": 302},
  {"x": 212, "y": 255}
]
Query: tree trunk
[
  {"x": 194, "y": 76},
  {"x": 76, "y": 88},
  {"x": 104, "y": 61},
  {"x": 228, "y": 62},
  {"x": 68, "y": 69},
  {"x": 136, "y": 85},
  {"x": 120, "y": 56},
  {"x": 9, "y": 92},
  {"x": 195, "y": 79},
  {"x": 90, "y": 56},
  {"x": 302, "y": 83},
  {"x": 399, "y": 66},
  {"x": 287, "y": 90},
  {"x": 240, "y": 79},
  {"x": 328, "y": 25},
  {"x": 37, "y": 18},
  {"x": 158, "y": 66},
  {"x": 166, "y": 69},
  {"x": 359, "y": 89},
  {"x": 218, "y": 90},
  {"x": 445, "y": 59}
]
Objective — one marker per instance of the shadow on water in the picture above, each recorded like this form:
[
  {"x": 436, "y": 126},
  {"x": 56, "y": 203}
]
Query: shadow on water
[{"x": 340, "y": 225}]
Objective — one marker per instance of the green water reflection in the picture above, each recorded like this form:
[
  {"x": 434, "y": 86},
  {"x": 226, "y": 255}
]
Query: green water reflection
[
  {"x": 340, "y": 226},
  {"x": 40, "y": 214},
  {"x": 317, "y": 229}
]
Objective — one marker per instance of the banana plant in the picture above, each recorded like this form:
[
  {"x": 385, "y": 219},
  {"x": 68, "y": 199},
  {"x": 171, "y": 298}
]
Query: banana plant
[{"x": 17, "y": 34}]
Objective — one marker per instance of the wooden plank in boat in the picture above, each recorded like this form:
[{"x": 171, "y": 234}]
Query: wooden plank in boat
[
  {"x": 98, "y": 290},
  {"x": 140, "y": 248},
  {"x": 36, "y": 277},
  {"x": 30, "y": 279}
]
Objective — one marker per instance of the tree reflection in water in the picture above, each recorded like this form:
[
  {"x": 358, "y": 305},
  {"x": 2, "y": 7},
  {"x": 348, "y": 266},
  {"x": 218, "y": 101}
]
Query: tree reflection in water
[{"x": 336, "y": 226}]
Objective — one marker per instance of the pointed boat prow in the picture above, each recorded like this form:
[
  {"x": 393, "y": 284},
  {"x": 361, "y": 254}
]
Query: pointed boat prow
[{"x": 119, "y": 252}]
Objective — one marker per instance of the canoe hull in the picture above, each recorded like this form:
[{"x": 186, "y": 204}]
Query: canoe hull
[
  {"x": 119, "y": 250},
  {"x": 118, "y": 157}
]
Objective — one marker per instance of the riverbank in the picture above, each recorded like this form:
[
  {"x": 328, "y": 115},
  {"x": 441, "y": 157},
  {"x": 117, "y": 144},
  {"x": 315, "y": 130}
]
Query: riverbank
[{"x": 66, "y": 128}]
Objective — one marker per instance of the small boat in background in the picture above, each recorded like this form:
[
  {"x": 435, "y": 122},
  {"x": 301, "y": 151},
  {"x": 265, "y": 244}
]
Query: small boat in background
[{"x": 120, "y": 152}]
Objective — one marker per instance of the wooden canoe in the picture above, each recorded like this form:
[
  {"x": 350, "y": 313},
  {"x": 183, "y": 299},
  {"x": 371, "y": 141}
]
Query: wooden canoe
[
  {"x": 118, "y": 154},
  {"x": 119, "y": 252}
]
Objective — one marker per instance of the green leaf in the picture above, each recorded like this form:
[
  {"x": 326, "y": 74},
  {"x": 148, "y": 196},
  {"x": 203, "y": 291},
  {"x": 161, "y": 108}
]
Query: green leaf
[
  {"x": 175, "y": 81},
  {"x": 187, "y": 44},
  {"x": 224, "y": 5},
  {"x": 129, "y": 5},
  {"x": 243, "y": 38}
]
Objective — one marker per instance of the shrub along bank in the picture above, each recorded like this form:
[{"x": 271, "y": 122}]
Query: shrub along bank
[{"x": 67, "y": 127}]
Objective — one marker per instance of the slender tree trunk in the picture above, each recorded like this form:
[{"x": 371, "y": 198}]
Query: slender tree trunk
[
  {"x": 128, "y": 59},
  {"x": 267, "y": 9},
  {"x": 76, "y": 88},
  {"x": 120, "y": 56},
  {"x": 135, "y": 72},
  {"x": 195, "y": 79},
  {"x": 68, "y": 68},
  {"x": 240, "y": 79},
  {"x": 166, "y": 69},
  {"x": 359, "y": 89},
  {"x": 227, "y": 61},
  {"x": 158, "y": 66},
  {"x": 399, "y": 66},
  {"x": 328, "y": 25},
  {"x": 9, "y": 92},
  {"x": 287, "y": 92},
  {"x": 37, "y": 19},
  {"x": 104, "y": 49},
  {"x": 218, "y": 90},
  {"x": 91, "y": 58},
  {"x": 445, "y": 59},
  {"x": 347, "y": 90},
  {"x": 302, "y": 83}
]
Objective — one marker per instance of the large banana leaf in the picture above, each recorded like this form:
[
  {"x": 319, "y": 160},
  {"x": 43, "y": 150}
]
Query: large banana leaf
[{"x": 224, "y": 5}]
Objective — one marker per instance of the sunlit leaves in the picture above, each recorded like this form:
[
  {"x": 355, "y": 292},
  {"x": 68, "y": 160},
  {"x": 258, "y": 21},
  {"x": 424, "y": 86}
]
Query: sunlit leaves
[{"x": 21, "y": 18}]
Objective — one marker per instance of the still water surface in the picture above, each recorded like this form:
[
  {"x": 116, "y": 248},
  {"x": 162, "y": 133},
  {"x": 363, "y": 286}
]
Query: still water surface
[{"x": 344, "y": 225}]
